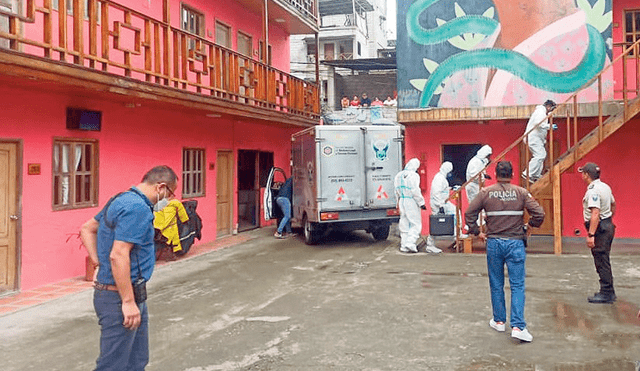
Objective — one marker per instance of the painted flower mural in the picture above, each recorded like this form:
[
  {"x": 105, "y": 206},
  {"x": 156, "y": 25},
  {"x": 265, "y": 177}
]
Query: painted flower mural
[{"x": 500, "y": 52}]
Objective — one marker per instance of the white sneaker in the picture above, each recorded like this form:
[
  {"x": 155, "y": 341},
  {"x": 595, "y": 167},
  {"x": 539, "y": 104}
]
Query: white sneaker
[
  {"x": 522, "y": 335},
  {"x": 500, "y": 327},
  {"x": 433, "y": 249}
]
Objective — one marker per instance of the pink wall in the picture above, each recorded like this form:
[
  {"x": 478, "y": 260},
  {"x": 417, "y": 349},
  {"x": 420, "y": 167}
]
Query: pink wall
[
  {"x": 132, "y": 140},
  {"x": 616, "y": 156}
]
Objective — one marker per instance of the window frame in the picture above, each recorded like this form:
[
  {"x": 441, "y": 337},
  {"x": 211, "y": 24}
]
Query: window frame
[
  {"x": 229, "y": 34},
  {"x": 249, "y": 38},
  {"x": 635, "y": 34},
  {"x": 94, "y": 173},
  {"x": 55, "y": 5},
  {"x": 187, "y": 174},
  {"x": 198, "y": 14}
]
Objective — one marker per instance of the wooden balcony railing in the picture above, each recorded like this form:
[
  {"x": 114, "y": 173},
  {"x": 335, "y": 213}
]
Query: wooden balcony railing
[{"x": 115, "y": 39}]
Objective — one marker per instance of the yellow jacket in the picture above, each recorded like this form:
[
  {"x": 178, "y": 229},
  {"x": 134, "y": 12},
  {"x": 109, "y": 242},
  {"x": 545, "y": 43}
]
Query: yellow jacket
[{"x": 165, "y": 220}]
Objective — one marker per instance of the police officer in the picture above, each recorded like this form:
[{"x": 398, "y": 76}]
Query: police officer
[
  {"x": 598, "y": 207},
  {"x": 505, "y": 204}
]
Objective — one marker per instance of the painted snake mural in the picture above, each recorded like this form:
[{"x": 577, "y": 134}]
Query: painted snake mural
[{"x": 508, "y": 60}]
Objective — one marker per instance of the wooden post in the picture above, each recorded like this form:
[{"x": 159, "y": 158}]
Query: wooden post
[
  {"x": 78, "y": 31},
  {"x": 600, "y": 133},
  {"x": 557, "y": 211},
  {"x": 468, "y": 245}
]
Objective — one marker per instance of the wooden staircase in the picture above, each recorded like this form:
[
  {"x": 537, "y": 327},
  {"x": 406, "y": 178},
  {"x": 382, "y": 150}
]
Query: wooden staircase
[
  {"x": 629, "y": 58},
  {"x": 588, "y": 143}
]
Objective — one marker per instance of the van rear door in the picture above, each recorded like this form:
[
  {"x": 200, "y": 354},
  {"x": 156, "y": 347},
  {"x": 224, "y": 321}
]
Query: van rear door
[
  {"x": 340, "y": 162},
  {"x": 383, "y": 160}
]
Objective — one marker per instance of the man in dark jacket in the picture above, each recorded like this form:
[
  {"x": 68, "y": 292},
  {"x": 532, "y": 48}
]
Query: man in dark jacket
[
  {"x": 284, "y": 202},
  {"x": 504, "y": 204}
]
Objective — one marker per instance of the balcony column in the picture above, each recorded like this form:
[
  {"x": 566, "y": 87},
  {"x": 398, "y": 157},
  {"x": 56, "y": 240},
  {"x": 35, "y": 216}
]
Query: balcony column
[{"x": 331, "y": 89}]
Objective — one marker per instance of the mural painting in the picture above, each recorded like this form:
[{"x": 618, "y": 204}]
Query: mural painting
[{"x": 475, "y": 53}]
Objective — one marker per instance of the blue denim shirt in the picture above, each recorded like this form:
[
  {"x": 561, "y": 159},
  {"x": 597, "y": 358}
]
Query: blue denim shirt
[{"x": 131, "y": 216}]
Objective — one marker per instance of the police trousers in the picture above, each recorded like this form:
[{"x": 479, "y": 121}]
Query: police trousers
[{"x": 603, "y": 239}]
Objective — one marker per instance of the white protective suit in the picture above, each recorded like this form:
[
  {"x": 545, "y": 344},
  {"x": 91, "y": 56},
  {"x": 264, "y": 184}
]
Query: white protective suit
[
  {"x": 409, "y": 196},
  {"x": 536, "y": 141},
  {"x": 475, "y": 165},
  {"x": 440, "y": 190}
]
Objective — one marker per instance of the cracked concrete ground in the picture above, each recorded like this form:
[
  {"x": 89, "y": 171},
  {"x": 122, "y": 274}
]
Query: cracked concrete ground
[{"x": 349, "y": 304}]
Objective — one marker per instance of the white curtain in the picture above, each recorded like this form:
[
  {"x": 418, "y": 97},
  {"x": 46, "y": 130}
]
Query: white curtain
[{"x": 61, "y": 163}]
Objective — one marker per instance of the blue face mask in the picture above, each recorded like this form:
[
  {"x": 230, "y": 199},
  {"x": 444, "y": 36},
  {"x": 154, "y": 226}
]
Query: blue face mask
[{"x": 449, "y": 176}]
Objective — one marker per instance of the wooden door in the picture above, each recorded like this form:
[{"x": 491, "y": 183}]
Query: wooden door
[
  {"x": 224, "y": 192},
  {"x": 8, "y": 216},
  {"x": 545, "y": 196},
  {"x": 328, "y": 52}
]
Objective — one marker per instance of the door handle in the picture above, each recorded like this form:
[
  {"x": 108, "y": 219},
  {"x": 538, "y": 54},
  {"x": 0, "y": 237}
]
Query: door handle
[{"x": 13, "y": 217}]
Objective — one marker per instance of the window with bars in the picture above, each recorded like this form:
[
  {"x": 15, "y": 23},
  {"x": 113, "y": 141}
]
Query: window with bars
[
  {"x": 632, "y": 27},
  {"x": 193, "y": 167},
  {"x": 75, "y": 173}
]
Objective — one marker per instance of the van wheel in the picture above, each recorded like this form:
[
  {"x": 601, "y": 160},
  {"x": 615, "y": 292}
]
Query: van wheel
[
  {"x": 311, "y": 231},
  {"x": 381, "y": 233}
]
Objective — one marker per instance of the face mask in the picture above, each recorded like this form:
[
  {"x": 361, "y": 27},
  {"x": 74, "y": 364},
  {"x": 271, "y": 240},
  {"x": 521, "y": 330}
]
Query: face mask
[{"x": 161, "y": 204}]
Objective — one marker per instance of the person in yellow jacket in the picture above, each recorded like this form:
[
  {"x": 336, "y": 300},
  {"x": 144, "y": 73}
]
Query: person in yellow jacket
[{"x": 166, "y": 221}]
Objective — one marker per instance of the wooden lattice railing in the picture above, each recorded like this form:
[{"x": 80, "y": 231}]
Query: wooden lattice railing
[{"x": 118, "y": 40}]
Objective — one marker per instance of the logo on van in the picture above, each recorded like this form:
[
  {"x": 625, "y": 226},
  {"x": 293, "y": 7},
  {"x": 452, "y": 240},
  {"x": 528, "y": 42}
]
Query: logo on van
[
  {"x": 380, "y": 148},
  {"x": 328, "y": 150}
]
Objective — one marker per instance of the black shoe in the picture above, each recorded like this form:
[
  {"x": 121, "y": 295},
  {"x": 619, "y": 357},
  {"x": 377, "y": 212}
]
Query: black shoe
[{"x": 601, "y": 298}]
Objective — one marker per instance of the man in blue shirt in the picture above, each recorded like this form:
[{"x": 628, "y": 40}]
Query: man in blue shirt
[{"x": 119, "y": 241}]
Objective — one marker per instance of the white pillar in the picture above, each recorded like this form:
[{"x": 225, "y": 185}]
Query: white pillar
[{"x": 331, "y": 88}]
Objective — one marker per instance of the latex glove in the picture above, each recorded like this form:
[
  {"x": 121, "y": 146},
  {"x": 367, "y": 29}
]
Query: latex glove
[
  {"x": 456, "y": 187},
  {"x": 554, "y": 127},
  {"x": 441, "y": 211},
  {"x": 423, "y": 207}
]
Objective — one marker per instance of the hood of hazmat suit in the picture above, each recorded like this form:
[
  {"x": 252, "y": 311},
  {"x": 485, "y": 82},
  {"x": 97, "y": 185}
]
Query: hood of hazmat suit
[{"x": 440, "y": 187}]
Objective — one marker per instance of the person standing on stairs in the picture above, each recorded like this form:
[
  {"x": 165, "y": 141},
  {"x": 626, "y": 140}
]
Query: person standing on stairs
[{"x": 537, "y": 139}]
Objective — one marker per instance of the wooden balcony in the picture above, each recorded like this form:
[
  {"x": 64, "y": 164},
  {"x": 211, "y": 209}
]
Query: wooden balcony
[{"x": 115, "y": 49}]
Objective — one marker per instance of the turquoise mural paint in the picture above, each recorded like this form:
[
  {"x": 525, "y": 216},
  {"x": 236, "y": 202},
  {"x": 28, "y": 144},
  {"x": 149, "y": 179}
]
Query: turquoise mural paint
[
  {"x": 455, "y": 27},
  {"x": 519, "y": 65}
]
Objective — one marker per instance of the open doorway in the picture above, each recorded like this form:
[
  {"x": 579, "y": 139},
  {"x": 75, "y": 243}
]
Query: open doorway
[
  {"x": 253, "y": 171},
  {"x": 459, "y": 155}
]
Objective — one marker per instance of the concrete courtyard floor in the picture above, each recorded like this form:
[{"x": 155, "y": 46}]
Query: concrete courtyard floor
[{"x": 349, "y": 304}]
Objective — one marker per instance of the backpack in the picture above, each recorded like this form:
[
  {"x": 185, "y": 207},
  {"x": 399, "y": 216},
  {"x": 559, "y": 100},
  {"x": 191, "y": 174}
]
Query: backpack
[{"x": 191, "y": 229}]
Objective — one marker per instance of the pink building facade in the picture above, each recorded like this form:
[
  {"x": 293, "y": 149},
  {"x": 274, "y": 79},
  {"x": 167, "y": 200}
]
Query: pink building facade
[{"x": 219, "y": 116}]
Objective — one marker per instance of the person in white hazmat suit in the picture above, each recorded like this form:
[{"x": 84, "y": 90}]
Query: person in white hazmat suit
[
  {"x": 475, "y": 165},
  {"x": 537, "y": 139},
  {"x": 438, "y": 197},
  {"x": 410, "y": 201}
]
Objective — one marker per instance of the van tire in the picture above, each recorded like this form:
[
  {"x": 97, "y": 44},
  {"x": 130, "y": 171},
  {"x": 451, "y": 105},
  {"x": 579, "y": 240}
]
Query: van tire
[
  {"x": 311, "y": 231},
  {"x": 381, "y": 233}
]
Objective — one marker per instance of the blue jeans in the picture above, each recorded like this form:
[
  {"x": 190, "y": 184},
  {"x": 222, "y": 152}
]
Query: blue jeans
[
  {"x": 120, "y": 349},
  {"x": 285, "y": 206},
  {"x": 511, "y": 252}
]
